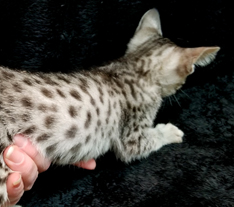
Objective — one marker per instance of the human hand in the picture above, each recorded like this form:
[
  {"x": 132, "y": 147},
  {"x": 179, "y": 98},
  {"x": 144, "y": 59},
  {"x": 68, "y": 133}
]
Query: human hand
[{"x": 26, "y": 162}]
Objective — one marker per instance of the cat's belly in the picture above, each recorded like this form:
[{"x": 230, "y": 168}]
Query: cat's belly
[{"x": 60, "y": 137}]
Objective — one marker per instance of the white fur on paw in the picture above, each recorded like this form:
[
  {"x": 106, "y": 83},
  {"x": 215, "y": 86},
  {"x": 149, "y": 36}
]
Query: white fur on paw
[{"x": 170, "y": 133}]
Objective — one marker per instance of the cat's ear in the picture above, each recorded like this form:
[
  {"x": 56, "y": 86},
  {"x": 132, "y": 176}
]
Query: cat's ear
[
  {"x": 151, "y": 21},
  {"x": 148, "y": 26},
  {"x": 190, "y": 57},
  {"x": 202, "y": 56}
]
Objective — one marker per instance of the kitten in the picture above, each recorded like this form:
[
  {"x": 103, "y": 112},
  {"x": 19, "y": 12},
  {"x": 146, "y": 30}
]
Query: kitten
[{"x": 79, "y": 116}]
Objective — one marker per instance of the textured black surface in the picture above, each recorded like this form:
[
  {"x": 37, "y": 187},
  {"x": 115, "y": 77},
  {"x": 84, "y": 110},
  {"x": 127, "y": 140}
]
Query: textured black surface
[{"x": 65, "y": 35}]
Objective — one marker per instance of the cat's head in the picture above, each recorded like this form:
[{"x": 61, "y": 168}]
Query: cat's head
[{"x": 164, "y": 62}]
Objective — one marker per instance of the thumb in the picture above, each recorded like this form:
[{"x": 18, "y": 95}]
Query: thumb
[{"x": 88, "y": 165}]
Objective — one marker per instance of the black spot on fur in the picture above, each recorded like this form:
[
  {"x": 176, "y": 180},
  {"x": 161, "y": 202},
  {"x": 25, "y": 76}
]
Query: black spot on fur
[
  {"x": 1, "y": 196},
  {"x": 7, "y": 75},
  {"x": 29, "y": 130},
  {"x": 83, "y": 87},
  {"x": 107, "y": 120},
  {"x": 72, "y": 111},
  {"x": 61, "y": 77},
  {"x": 101, "y": 99},
  {"x": 101, "y": 94},
  {"x": 25, "y": 117},
  {"x": 38, "y": 81},
  {"x": 92, "y": 101},
  {"x": 88, "y": 120},
  {"x": 49, "y": 121},
  {"x": 50, "y": 150},
  {"x": 109, "y": 109},
  {"x": 114, "y": 105},
  {"x": 99, "y": 123},
  {"x": 43, "y": 137},
  {"x": 49, "y": 81},
  {"x": 46, "y": 92},
  {"x": 71, "y": 132},
  {"x": 43, "y": 108},
  {"x": 98, "y": 111},
  {"x": 76, "y": 148},
  {"x": 60, "y": 93},
  {"x": 87, "y": 139},
  {"x": 17, "y": 87},
  {"x": 26, "y": 102},
  {"x": 27, "y": 81},
  {"x": 75, "y": 94}
]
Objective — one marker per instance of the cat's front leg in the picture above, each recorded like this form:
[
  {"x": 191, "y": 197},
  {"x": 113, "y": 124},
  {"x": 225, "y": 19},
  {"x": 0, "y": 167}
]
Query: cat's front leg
[
  {"x": 141, "y": 143},
  {"x": 168, "y": 133}
]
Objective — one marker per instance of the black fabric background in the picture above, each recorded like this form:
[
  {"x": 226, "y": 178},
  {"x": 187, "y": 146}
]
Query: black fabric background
[{"x": 64, "y": 35}]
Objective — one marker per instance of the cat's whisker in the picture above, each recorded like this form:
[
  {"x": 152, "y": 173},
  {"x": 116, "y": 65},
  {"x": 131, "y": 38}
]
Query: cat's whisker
[
  {"x": 176, "y": 100},
  {"x": 184, "y": 93},
  {"x": 170, "y": 100}
]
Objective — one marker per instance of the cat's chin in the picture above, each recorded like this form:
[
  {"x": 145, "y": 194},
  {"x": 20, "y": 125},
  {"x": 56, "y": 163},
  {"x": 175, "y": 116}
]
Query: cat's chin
[{"x": 166, "y": 93}]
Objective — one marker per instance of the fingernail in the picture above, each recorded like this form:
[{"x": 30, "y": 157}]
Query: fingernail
[
  {"x": 14, "y": 155},
  {"x": 20, "y": 140},
  {"x": 17, "y": 182}
]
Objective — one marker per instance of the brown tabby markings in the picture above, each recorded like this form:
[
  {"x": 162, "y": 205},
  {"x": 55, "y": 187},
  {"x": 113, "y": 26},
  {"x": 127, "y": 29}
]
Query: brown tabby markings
[
  {"x": 99, "y": 123},
  {"x": 27, "y": 81},
  {"x": 87, "y": 139},
  {"x": 60, "y": 93},
  {"x": 17, "y": 87},
  {"x": 43, "y": 137},
  {"x": 114, "y": 105},
  {"x": 61, "y": 77},
  {"x": 48, "y": 81},
  {"x": 100, "y": 95},
  {"x": 71, "y": 132},
  {"x": 107, "y": 120},
  {"x": 98, "y": 111},
  {"x": 7, "y": 75},
  {"x": 38, "y": 81},
  {"x": 26, "y": 102},
  {"x": 72, "y": 111},
  {"x": 88, "y": 120},
  {"x": 51, "y": 149},
  {"x": 109, "y": 109},
  {"x": 92, "y": 101},
  {"x": 75, "y": 94},
  {"x": 46, "y": 92},
  {"x": 25, "y": 117},
  {"x": 29, "y": 130},
  {"x": 49, "y": 121},
  {"x": 76, "y": 148},
  {"x": 131, "y": 88},
  {"x": 42, "y": 107},
  {"x": 2, "y": 181}
]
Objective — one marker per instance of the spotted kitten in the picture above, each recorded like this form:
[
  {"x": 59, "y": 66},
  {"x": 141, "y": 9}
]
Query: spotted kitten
[{"x": 79, "y": 116}]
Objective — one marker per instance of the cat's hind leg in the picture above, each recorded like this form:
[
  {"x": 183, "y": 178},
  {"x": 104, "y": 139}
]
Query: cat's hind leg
[{"x": 141, "y": 143}]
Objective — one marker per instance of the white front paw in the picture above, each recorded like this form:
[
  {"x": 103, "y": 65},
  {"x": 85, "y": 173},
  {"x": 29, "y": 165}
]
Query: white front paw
[{"x": 170, "y": 133}]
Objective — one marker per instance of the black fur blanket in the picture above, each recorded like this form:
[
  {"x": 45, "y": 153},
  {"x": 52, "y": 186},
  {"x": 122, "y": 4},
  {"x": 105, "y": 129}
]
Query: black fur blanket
[{"x": 52, "y": 35}]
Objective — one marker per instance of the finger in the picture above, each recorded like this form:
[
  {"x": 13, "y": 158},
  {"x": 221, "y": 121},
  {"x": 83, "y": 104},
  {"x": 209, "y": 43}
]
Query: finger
[
  {"x": 17, "y": 160},
  {"x": 89, "y": 165},
  {"x": 25, "y": 144},
  {"x": 15, "y": 188}
]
